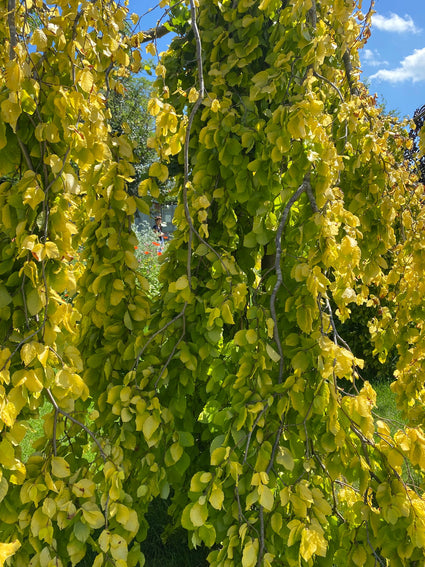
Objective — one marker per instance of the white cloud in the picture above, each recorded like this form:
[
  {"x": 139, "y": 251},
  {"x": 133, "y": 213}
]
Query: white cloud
[
  {"x": 373, "y": 58},
  {"x": 412, "y": 68},
  {"x": 394, "y": 23}
]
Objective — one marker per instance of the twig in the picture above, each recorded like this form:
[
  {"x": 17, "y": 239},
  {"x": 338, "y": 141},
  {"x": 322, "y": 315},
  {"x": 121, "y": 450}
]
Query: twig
[
  {"x": 25, "y": 153},
  {"x": 275, "y": 446},
  {"x": 261, "y": 538},
  {"x": 161, "y": 330},
  {"x": 188, "y": 131},
  {"x": 242, "y": 515},
  {"x": 322, "y": 78},
  {"x": 77, "y": 422},
  {"x": 167, "y": 362},
  {"x": 378, "y": 558},
  {"x": 248, "y": 442},
  {"x": 301, "y": 189}
]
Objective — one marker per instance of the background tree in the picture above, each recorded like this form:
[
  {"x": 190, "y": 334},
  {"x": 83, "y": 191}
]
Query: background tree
[
  {"x": 129, "y": 115},
  {"x": 413, "y": 153}
]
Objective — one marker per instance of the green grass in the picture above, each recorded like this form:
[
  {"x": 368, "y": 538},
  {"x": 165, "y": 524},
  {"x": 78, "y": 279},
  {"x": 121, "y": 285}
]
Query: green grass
[
  {"x": 34, "y": 432},
  {"x": 387, "y": 408}
]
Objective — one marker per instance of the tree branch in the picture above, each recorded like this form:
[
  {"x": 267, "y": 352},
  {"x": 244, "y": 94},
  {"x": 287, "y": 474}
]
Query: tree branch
[
  {"x": 76, "y": 421},
  {"x": 154, "y": 33},
  {"x": 301, "y": 189},
  {"x": 348, "y": 72},
  {"x": 11, "y": 9}
]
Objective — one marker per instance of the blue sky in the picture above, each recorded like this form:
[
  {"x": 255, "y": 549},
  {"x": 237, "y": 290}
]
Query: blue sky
[{"x": 393, "y": 60}]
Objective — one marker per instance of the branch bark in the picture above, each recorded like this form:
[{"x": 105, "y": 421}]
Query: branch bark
[
  {"x": 154, "y": 33},
  {"x": 11, "y": 9},
  {"x": 348, "y": 72}
]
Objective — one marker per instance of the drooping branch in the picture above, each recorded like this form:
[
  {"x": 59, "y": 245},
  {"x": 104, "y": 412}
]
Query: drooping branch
[
  {"x": 301, "y": 189},
  {"x": 348, "y": 72},
  {"x": 312, "y": 15},
  {"x": 187, "y": 137},
  {"x": 13, "y": 36},
  {"x": 59, "y": 410}
]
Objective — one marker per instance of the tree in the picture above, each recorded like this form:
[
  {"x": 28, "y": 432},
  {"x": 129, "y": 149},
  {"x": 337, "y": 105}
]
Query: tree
[
  {"x": 64, "y": 191},
  {"x": 129, "y": 115},
  {"x": 228, "y": 394},
  {"x": 413, "y": 153}
]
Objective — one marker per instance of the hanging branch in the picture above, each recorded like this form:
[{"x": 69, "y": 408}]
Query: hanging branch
[
  {"x": 348, "y": 72},
  {"x": 312, "y": 15},
  {"x": 301, "y": 189},
  {"x": 13, "y": 36},
  {"x": 188, "y": 131},
  {"x": 59, "y": 410}
]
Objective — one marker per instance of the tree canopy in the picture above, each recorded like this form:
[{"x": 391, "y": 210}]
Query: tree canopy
[{"x": 233, "y": 392}]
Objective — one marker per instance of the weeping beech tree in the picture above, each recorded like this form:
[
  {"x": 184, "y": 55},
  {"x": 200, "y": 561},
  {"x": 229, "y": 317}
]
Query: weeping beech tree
[{"x": 233, "y": 393}]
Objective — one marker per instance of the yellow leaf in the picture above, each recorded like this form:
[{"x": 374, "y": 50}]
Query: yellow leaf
[
  {"x": 4, "y": 487},
  {"x": 272, "y": 353},
  {"x": 10, "y": 112},
  {"x": 13, "y": 75},
  {"x": 215, "y": 105},
  {"x": 60, "y": 468},
  {"x": 312, "y": 543},
  {"x": 51, "y": 133},
  {"x": 181, "y": 283},
  {"x": 130, "y": 260},
  {"x": 92, "y": 515},
  {"x": 304, "y": 318},
  {"x": 7, "y": 550},
  {"x": 159, "y": 170},
  {"x": 227, "y": 314},
  {"x": 359, "y": 556},
  {"x": 104, "y": 540},
  {"x": 33, "y": 382},
  {"x": 84, "y": 488},
  {"x": 266, "y": 498},
  {"x": 127, "y": 518},
  {"x": 176, "y": 451},
  {"x": 118, "y": 548},
  {"x": 193, "y": 95},
  {"x": 39, "y": 39},
  {"x": 8, "y": 413},
  {"x": 249, "y": 555},
  {"x": 86, "y": 80},
  {"x": 251, "y": 336},
  {"x": 284, "y": 458},
  {"x": 150, "y": 425},
  {"x": 150, "y": 48},
  {"x": 155, "y": 106},
  {"x": 296, "y": 125},
  {"x": 28, "y": 352},
  {"x": 216, "y": 498},
  {"x": 33, "y": 196},
  {"x": 51, "y": 250},
  {"x": 198, "y": 514}
]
